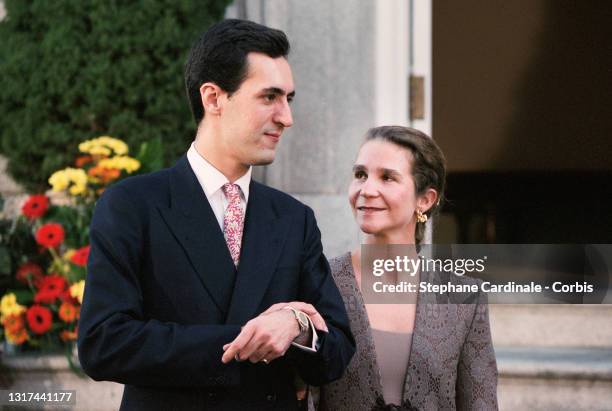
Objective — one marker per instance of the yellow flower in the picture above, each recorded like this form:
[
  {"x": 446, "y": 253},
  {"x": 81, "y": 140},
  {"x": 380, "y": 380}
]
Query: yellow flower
[
  {"x": 104, "y": 145},
  {"x": 126, "y": 163},
  {"x": 76, "y": 175},
  {"x": 77, "y": 289},
  {"x": 73, "y": 179},
  {"x": 68, "y": 254},
  {"x": 118, "y": 146},
  {"x": 77, "y": 189},
  {"x": 99, "y": 151},
  {"x": 9, "y": 305},
  {"x": 59, "y": 180}
]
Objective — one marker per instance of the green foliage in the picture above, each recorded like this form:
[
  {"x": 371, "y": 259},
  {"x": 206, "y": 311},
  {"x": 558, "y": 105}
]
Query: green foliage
[
  {"x": 72, "y": 70},
  {"x": 75, "y": 221},
  {"x": 23, "y": 296},
  {"x": 151, "y": 155},
  {"x": 15, "y": 241}
]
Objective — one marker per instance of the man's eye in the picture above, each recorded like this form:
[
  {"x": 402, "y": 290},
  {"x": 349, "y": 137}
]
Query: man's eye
[
  {"x": 360, "y": 174},
  {"x": 269, "y": 97},
  {"x": 290, "y": 99},
  {"x": 387, "y": 177}
]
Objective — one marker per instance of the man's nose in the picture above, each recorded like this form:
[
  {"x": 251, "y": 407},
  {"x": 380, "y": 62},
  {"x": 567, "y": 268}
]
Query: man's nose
[{"x": 283, "y": 115}]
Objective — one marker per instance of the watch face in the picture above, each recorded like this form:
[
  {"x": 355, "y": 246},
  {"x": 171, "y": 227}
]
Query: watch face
[{"x": 303, "y": 319}]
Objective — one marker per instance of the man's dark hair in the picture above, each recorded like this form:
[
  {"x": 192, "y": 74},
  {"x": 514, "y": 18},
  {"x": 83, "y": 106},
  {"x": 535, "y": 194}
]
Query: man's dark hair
[{"x": 220, "y": 56}]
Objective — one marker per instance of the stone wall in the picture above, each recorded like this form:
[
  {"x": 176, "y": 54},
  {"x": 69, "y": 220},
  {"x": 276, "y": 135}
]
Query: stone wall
[
  {"x": 332, "y": 58},
  {"x": 12, "y": 192}
]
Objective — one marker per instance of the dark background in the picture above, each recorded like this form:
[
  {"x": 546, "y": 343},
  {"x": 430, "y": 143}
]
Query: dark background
[{"x": 522, "y": 108}]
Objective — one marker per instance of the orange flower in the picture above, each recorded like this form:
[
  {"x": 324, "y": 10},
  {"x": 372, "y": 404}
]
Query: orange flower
[
  {"x": 67, "y": 335},
  {"x": 82, "y": 160},
  {"x": 68, "y": 312},
  {"x": 105, "y": 175},
  {"x": 13, "y": 323},
  {"x": 18, "y": 337}
]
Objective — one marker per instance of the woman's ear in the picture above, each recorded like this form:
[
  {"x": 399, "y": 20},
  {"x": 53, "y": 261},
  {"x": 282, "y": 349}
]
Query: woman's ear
[
  {"x": 426, "y": 200},
  {"x": 211, "y": 98}
]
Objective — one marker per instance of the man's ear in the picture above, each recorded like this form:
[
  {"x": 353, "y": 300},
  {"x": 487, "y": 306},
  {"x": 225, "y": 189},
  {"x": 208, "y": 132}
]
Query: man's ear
[
  {"x": 426, "y": 200},
  {"x": 210, "y": 93}
]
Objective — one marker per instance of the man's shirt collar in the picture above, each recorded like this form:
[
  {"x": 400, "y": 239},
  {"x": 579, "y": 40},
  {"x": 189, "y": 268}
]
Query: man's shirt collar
[{"x": 212, "y": 179}]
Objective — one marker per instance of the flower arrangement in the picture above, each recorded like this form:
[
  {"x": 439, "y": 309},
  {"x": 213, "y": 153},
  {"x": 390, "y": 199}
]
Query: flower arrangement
[{"x": 49, "y": 246}]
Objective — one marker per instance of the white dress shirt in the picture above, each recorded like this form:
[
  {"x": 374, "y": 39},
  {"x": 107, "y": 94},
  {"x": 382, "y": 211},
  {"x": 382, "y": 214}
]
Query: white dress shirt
[{"x": 211, "y": 181}]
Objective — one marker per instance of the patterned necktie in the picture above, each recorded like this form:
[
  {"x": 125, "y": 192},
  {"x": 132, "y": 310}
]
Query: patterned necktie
[{"x": 233, "y": 220}]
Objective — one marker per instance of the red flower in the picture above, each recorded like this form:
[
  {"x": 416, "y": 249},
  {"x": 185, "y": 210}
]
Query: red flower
[
  {"x": 36, "y": 206},
  {"x": 29, "y": 272},
  {"x": 50, "y": 288},
  {"x": 39, "y": 319},
  {"x": 80, "y": 256},
  {"x": 45, "y": 297},
  {"x": 53, "y": 282},
  {"x": 50, "y": 235},
  {"x": 65, "y": 296}
]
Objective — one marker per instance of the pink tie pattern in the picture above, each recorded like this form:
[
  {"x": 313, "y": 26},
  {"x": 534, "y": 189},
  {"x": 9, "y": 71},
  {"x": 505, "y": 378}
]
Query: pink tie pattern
[{"x": 233, "y": 220}]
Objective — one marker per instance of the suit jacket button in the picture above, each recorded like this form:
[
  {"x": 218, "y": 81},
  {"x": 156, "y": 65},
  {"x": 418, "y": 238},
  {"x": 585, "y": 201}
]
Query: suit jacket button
[
  {"x": 271, "y": 397},
  {"x": 212, "y": 397}
]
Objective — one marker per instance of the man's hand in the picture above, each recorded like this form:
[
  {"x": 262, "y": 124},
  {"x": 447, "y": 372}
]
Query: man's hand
[
  {"x": 315, "y": 317},
  {"x": 267, "y": 336}
]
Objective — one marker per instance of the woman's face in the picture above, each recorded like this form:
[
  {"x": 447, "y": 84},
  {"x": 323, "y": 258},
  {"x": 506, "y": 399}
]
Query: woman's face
[{"x": 382, "y": 191}]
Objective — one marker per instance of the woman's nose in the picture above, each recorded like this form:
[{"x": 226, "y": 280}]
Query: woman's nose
[{"x": 369, "y": 188}]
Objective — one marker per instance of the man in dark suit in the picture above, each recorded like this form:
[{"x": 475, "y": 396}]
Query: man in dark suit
[{"x": 185, "y": 262}]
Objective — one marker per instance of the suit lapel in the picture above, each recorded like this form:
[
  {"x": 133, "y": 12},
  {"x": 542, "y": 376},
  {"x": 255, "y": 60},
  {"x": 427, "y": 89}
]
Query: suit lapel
[
  {"x": 195, "y": 227},
  {"x": 264, "y": 234}
]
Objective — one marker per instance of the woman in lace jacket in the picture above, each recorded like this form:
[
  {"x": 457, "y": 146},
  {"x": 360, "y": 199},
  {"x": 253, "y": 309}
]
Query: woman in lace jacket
[{"x": 424, "y": 356}]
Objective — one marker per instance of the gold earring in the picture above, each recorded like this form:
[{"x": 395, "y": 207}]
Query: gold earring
[{"x": 421, "y": 218}]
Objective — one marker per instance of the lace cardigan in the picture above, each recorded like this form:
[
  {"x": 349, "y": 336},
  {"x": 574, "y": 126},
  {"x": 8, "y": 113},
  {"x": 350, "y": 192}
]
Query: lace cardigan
[{"x": 452, "y": 363}]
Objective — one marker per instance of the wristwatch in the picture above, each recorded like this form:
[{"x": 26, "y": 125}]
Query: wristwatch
[{"x": 301, "y": 318}]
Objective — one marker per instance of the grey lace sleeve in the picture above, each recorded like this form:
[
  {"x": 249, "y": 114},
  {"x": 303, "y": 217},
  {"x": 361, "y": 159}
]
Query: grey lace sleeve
[{"x": 477, "y": 369}]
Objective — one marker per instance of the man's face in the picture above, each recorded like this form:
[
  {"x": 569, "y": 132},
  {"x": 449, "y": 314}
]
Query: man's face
[{"x": 255, "y": 116}]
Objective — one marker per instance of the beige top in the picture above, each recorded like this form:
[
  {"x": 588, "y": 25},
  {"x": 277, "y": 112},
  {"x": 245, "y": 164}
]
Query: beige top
[{"x": 392, "y": 353}]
